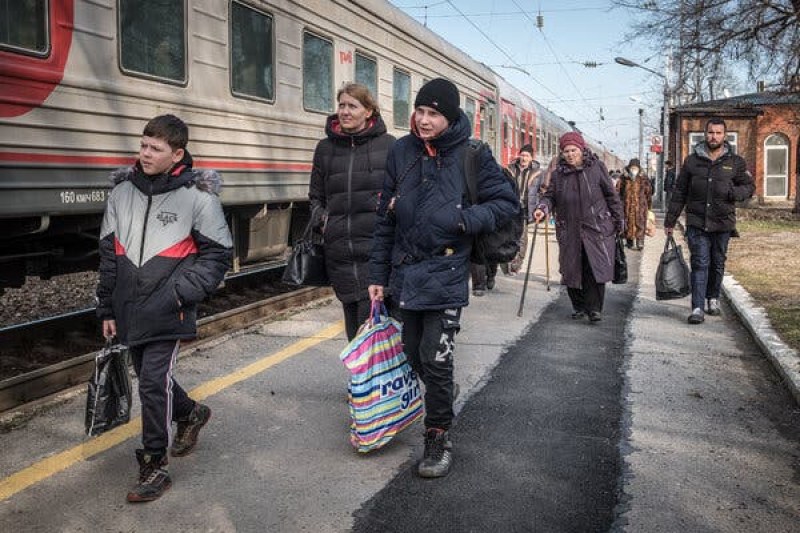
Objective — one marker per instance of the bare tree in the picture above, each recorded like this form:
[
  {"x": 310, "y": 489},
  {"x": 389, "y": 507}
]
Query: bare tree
[{"x": 705, "y": 35}]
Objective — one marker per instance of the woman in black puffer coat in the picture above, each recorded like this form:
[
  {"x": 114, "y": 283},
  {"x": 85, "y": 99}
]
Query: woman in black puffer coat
[{"x": 346, "y": 178}]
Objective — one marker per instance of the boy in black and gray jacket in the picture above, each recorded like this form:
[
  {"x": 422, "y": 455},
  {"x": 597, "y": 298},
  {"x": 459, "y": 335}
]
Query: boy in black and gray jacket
[{"x": 164, "y": 247}]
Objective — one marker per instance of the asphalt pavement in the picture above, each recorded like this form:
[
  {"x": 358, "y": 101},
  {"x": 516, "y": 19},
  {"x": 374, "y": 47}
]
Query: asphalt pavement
[{"x": 641, "y": 423}]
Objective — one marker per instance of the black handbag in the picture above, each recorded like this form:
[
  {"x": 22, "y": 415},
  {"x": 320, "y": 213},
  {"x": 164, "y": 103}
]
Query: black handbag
[
  {"x": 672, "y": 276},
  {"x": 108, "y": 402},
  {"x": 306, "y": 265},
  {"x": 620, "y": 262}
]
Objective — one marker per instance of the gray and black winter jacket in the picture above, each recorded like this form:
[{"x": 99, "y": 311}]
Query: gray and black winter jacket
[{"x": 164, "y": 247}]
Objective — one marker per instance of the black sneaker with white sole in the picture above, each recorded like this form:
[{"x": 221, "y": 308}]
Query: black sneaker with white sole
[{"x": 438, "y": 457}]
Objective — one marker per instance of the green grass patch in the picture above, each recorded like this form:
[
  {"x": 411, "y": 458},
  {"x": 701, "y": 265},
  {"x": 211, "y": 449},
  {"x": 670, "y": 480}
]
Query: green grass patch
[
  {"x": 745, "y": 226},
  {"x": 786, "y": 322}
]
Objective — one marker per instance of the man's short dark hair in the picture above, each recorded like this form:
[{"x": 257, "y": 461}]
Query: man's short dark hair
[
  {"x": 716, "y": 121},
  {"x": 668, "y": 163},
  {"x": 170, "y": 128}
]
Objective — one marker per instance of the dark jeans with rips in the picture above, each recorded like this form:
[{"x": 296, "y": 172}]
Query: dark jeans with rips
[
  {"x": 708, "y": 253},
  {"x": 591, "y": 295},
  {"x": 163, "y": 400},
  {"x": 429, "y": 341},
  {"x": 355, "y": 314}
]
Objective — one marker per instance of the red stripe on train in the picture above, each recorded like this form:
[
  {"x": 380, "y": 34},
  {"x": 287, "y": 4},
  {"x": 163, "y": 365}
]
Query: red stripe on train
[{"x": 23, "y": 157}]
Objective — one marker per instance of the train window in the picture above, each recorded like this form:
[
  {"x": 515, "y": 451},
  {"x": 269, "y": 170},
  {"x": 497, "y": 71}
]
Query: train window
[
  {"x": 401, "y": 98},
  {"x": 367, "y": 73},
  {"x": 153, "y": 38},
  {"x": 251, "y": 52},
  {"x": 23, "y": 26},
  {"x": 317, "y": 74},
  {"x": 469, "y": 110},
  {"x": 521, "y": 134},
  {"x": 539, "y": 142},
  {"x": 483, "y": 122},
  {"x": 506, "y": 133}
]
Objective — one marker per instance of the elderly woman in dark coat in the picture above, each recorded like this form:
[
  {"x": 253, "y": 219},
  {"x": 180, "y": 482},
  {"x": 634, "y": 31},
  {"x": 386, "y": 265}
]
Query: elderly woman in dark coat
[
  {"x": 346, "y": 178},
  {"x": 588, "y": 216}
]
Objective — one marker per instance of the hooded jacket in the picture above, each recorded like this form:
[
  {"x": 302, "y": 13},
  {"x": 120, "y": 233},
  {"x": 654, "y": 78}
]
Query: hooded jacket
[
  {"x": 164, "y": 247},
  {"x": 710, "y": 189},
  {"x": 588, "y": 216},
  {"x": 346, "y": 179},
  {"x": 424, "y": 228}
]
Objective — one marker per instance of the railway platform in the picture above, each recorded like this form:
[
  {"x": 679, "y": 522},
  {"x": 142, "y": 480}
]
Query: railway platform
[{"x": 639, "y": 423}]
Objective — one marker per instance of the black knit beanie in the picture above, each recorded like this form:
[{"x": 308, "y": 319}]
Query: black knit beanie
[{"x": 442, "y": 96}]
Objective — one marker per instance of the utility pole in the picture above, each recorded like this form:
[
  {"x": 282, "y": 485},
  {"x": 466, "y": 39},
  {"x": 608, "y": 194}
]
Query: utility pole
[{"x": 641, "y": 135}]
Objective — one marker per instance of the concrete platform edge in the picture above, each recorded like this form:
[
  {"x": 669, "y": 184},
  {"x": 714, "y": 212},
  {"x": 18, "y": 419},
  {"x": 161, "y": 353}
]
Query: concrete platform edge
[{"x": 785, "y": 359}]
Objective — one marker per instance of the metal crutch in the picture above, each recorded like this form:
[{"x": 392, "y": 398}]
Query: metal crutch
[
  {"x": 528, "y": 270},
  {"x": 547, "y": 252}
]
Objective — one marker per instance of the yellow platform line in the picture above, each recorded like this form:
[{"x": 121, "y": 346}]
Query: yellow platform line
[{"x": 52, "y": 465}]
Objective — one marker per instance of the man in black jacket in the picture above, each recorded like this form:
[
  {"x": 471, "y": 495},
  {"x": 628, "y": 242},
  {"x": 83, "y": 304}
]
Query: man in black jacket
[{"x": 710, "y": 183}]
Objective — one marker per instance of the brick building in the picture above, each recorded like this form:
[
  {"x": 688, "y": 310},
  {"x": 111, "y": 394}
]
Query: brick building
[{"x": 763, "y": 127}]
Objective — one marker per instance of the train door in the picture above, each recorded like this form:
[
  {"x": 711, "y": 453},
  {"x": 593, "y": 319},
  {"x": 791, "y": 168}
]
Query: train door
[
  {"x": 509, "y": 138},
  {"x": 488, "y": 123}
]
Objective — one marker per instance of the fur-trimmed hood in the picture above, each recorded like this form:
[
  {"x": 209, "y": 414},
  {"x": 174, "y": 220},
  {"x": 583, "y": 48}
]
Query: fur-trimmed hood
[{"x": 206, "y": 180}]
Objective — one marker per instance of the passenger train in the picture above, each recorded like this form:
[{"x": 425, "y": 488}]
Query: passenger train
[{"x": 254, "y": 81}]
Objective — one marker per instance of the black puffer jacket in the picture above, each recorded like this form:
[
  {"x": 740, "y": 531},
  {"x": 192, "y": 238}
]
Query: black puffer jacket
[
  {"x": 424, "y": 231},
  {"x": 710, "y": 189},
  {"x": 345, "y": 181}
]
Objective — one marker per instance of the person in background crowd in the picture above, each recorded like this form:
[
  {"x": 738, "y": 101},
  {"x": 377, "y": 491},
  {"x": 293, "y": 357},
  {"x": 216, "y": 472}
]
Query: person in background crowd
[
  {"x": 669, "y": 181},
  {"x": 636, "y": 193},
  {"x": 588, "y": 217},
  {"x": 346, "y": 178},
  {"x": 528, "y": 177},
  {"x": 164, "y": 247},
  {"x": 711, "y": 181},
  {"x": 423, "y": 238}
]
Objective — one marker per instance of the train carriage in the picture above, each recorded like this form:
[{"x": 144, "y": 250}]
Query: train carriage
[{"x": 254, "y": 81}]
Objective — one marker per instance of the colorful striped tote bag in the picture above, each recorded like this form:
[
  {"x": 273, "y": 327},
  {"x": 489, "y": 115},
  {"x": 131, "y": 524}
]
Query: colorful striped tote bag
[{"x": 384, "y": 390}]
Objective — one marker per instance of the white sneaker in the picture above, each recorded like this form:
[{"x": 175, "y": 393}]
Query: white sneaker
[{"x": 713, "y": 307}]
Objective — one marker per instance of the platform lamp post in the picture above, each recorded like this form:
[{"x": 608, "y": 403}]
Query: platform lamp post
[{"x": 664, "y": 126}]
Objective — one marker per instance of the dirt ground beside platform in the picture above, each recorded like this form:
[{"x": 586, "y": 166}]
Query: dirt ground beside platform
[{"x": 765, "y": 260}]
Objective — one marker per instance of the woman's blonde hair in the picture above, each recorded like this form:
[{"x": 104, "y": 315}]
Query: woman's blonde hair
[{"x": 362, "y": 94}]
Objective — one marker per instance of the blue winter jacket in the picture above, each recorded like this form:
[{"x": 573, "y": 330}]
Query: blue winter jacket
[{"x": 424, "y": 228}]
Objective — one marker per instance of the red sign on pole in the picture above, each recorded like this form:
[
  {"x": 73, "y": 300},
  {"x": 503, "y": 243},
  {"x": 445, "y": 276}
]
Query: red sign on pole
[{"x": 655, "y": 144}]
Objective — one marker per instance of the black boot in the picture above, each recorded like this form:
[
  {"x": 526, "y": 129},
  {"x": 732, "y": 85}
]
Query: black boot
[
  {"x": 153, "y": 477},
  {"x": 438, "y": 454}
]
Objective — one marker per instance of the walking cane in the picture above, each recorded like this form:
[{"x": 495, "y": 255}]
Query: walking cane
[
  {"x": 528, "y": 270},
  {"x": 547, "y": 253}
]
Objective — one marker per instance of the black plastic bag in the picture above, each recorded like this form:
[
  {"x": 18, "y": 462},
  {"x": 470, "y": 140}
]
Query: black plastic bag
[
  {"x": 306, "y": 265},
  {"x": 108, "y": 402},
  {"x": 672, "y": 276},
  {"x": 620, "y": 262}
]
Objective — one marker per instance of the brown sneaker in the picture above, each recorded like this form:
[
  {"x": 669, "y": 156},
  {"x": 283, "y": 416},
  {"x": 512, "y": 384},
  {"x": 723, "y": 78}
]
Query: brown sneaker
[
  {"x": 154, "y": 479},
  {"x": 186, "y": 437}
]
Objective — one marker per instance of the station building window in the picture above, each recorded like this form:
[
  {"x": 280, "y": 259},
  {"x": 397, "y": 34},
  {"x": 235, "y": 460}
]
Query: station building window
[
  {"x": 401, "y": 98},
  {"x": 317, "y": 74},
  {"x": 24, "y": 26},
  {"x": 153, "y": 38},
  {"x": 367, "y": 73},
  {"x": 251, "y": 53},
  {"x": 776, "y": 166}
]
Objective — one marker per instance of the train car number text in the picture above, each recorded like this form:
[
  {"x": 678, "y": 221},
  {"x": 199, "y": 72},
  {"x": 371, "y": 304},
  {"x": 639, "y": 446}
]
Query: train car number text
[{"x": 82, "y": 197}]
